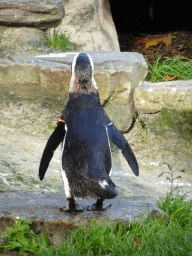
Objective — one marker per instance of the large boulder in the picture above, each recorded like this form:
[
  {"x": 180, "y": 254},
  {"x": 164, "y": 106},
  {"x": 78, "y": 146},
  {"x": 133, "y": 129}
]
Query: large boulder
[
  {"x": 90, "y": 25},
  {"x": 39, "y": 14},
  {"x": 45, "y": 80}
]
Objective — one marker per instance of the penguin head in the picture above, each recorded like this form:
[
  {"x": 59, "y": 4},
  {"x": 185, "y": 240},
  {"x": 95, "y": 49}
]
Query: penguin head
[{"x": 82, "y": 79}]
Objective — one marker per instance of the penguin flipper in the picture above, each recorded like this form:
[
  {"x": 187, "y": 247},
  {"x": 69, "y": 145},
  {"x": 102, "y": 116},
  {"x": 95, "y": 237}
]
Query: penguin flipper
[
  {"x": 53, "y": 142},
  {"x": 118, "y": 139}
]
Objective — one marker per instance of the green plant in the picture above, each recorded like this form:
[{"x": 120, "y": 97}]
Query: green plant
[
  {"x": 19, "y": 178},
  {"x": 33, "y": 181},
  {"x": 171, "y": 177},
  {"x": 151, "y": 237},
  {"x": 50, "y": 125},
  {"x": 182, "y": 67},
  {"x": 21, "y": 237},
  {"x": 61, "y": 41},
  {"x": 177, "y": 208}
]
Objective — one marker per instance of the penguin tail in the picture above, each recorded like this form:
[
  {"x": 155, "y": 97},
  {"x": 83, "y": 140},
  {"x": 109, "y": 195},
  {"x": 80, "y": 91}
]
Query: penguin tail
[{"x": 106, "y": 189}]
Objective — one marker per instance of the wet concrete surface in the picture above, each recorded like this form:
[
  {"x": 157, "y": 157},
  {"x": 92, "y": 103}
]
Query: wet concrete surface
[{"x": 46, "y": 205}]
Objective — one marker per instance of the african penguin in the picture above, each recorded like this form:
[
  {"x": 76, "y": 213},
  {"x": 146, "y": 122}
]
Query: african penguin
[{"x": 85, "y": 130}]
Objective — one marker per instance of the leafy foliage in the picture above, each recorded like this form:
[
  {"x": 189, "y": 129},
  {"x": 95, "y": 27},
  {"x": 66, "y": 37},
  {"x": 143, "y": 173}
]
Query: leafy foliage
[{"x": 21, "y": 237}]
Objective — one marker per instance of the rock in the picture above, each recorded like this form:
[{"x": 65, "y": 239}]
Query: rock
[
  {"x": 90, "y": 24},
  {"x": 158, "y": 214},
  {"x": 2, "y": 29},
  {"x": 39, "y": 14},
  {"x": 153, "y": 97},
  {"x": 22, "y": 37},
  {"x": 42, "y": 208},
  {"x": 46, "y": 79}
]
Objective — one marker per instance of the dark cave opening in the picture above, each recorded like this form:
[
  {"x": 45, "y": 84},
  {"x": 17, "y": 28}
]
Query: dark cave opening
[{"x": 135, "y": 19}]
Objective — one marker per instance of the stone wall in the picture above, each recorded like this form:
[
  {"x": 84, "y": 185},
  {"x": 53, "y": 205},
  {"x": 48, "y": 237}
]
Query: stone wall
[
  {"x": 44, "y": 80},
  {"x": 22, "y": 23},
  {"x": 89, "y": 23}
]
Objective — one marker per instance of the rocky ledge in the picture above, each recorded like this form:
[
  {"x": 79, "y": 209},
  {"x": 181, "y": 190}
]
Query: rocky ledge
[
  {"x": 153, "y": 97},
  {"x": 23, "y": 23},
  {"x": 45, "y": 79},
  {"x": 43, "y": 209},
  {"x": 35, "y": 13}
]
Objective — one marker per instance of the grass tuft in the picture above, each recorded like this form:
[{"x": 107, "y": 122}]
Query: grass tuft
[
  {"x": 176, "y": 206},
  {"x": 182, "y": 67},
  {"x": 61, "y": 42}
]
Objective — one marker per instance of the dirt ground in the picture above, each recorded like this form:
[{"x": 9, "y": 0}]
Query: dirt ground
[
  {"x": 21, "y": 153},
  {"x": 180, "y": 45}
]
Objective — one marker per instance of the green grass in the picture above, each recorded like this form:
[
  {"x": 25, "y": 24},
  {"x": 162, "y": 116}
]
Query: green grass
[
  {"x": 21, "y": 237},
  {"x": 61, "y": 42},
  {"x": 179, "y": 210},
  {"x": 182, "y": 67},
  {"x": 150, "y": 237}
]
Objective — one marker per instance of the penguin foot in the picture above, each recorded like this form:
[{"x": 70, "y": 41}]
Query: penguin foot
[
  {"x": 71, "y": 206},
  {"x": 98, "y": 206},
  {"x": 93, "y": 208},
  {"x": 77, "y": 209}
]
